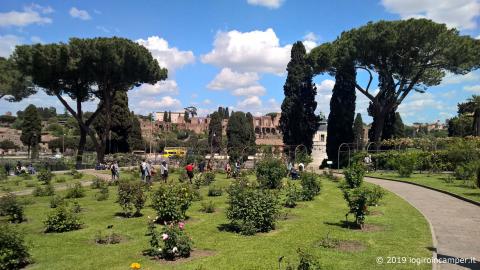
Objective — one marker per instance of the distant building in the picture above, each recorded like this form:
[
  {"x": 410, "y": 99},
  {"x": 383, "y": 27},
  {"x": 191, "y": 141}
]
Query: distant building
[{"x": 319, "y": 149}]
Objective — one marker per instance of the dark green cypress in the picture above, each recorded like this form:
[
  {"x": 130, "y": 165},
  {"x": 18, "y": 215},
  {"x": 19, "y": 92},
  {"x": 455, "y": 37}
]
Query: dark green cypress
[
  {"x": 298, "y": 121},
  {"x": 342, "y": 110},
  {"x": 31, "y": 129}
]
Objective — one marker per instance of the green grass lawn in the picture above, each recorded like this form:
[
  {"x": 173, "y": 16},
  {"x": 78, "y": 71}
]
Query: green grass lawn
[
  {"x": 438, "y": 181},
  {"x": 403, "y": 232},
  {"x": 17, "y": 183}
]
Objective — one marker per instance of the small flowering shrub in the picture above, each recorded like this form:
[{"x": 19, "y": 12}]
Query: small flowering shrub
[
  {"x": 13, "y": 251},
  {"x": 47, "y": 190},
  {"x": 57, "y": 201},
  {"x": 131, "y": 196},
  {"x": 375, "y": 195},
  {"x": 292, "y": 195},
  {"x": 45, "y": 176},
  {"x": 310, "y": 185},
  {"x": 250, "y": 209},
  {"x": 357, "y": 200},
  {"x": 75, "y": 191},
  {"x": 214, "y": 191},
  {"x": 107, "y": 238},
  {"x": 270, "y": 172},
  {"x": 98, "y": 183},
  {"x": 11, "y": 207},
  {"x": 208, "y": 207},
  {"x": 171, "y": 201},
  {"x": 207, "y": 178},
  {"x": 3, "y": 173},
  {"x": 170, "y": 242},
  {"x": 62, "y": 219},
  {"x": 354, "y": 175},
  {"x": 466, "y": 171},
  {"x": 102, "y": 193}
]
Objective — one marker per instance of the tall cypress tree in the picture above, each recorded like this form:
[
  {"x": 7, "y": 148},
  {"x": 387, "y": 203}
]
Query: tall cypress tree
[
  {"x": 240, "y": 138},
  {"x": 250, "y": 134},
  {"x": 342, "y": 110},
  {"x": 227, "y": 114},
  {"x": 358, "y": 131},
  {"x": 165, "y": 116},
  {"x": 215, "y": 132},
  {"x": 121, "y": 123},
  {"x": 31, "y": 129},
  {"x": 169, "y": 116},
  {"x": 393, "y": 127},
  {"x": 135, "y": 139},
  {"x": 298, "y": 121}
]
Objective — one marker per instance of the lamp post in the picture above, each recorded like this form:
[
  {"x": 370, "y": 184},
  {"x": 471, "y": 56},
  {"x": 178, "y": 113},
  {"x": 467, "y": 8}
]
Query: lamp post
[
  {"x": 211, "y": 145},
  {"x": 63, "y": 143}
]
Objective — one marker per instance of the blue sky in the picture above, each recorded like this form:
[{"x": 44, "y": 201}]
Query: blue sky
[{"x": 232, "y": 52}]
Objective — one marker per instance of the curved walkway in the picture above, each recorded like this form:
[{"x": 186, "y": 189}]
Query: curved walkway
[{"x": 455, "y": 223}]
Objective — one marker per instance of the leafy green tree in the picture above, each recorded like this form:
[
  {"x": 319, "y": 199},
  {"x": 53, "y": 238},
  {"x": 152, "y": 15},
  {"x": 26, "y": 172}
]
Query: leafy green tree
[
  {"x": 393, "y": 128},
  {"x": 7, "y": 144},
  {"x": 169, "y": 116},
  {"x": 14, "y": 85},
  {"x": 358, "y": 134},
  {"x": 165, "y": 116},
  {"x": 472, "y": 107},
  {"x": 407, "y": 55},
  {"x": 342, "y": 111},
  {"x": 88, "y": 68},
  {"x": 135, "y": 139},
  {"x": 298, "y": 121},
  {"x": 239, "y": 136},
  {"x": 215, "y": 132},
  {"x": 7, "y": 119},
  {"x": 186, "y": 117},
  {"x": 31, "y": 129}
]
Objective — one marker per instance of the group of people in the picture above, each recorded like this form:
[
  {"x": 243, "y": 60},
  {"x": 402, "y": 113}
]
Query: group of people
[
  {"x": 147, "y": 171},
  {"x": 115, "y": 170},
  {"x": 293, "y": 172},
  {"x": 20, "y": 169},
  {"x": 235, "y": 172}
]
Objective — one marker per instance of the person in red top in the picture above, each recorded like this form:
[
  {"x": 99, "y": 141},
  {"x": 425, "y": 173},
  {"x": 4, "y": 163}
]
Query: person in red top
[{"x": 189, "y": 169}]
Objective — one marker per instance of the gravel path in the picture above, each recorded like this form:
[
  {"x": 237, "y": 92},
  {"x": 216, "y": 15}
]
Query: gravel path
[{"x": 455, "y": 223}]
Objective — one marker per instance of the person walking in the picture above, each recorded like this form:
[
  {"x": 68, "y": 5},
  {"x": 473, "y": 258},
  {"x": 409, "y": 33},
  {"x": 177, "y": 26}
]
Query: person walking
[
  {"x": 164, "y": 171},
  {"x": 112, "y": 170},
  {"x": 116, "y": 169},
  {"x": 228, "y": 170},
  {"x": 189, "y": 169},
  {"x": 149, "y": 172},
  {"x": 143, "y": 169}
]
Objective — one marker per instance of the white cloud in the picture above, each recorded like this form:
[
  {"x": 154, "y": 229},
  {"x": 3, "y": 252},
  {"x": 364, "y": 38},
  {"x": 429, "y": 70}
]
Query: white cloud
[
  {"x": 460, "y": 14},
  {"x": 478, "y": 37},
  {"x": 168, "y": 87},
  {"x": 419, "y": 102},
  {"x": 255, "y": 51},
  {"x": 165, "y": 103},
  {"x": 7, "y": 44},
  {"x": 168, "y": 57},
  {"x": 266, "y": 3},
  {"x": 249, "y": 103},
  {"x": 79, "y": 14},
  {"x": 31, "y": 15},
  {"x": 228, "y": 79},
  {"x": 451, "y": 78},
  {"x": 472, "y": 88},
  {"x": 36, "y": 39},
  {"x": 254, "y": 90},
  {"x": 325, "y": 85},
  {"x": 96, "y": 11},
  {"x": 207, "y": 101}
]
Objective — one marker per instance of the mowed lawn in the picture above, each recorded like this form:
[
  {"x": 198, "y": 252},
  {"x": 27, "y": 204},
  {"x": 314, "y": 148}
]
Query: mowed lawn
[
  {"x": 18, "y": 183},
  {"x": 402, "y": 231},
  {"x": 439, "y": 181}
]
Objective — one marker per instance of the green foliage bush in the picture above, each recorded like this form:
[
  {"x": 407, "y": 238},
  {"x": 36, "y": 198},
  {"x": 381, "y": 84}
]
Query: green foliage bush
[
  {"x": 57, "y": 201},
  {"x": 466, "y": 171},
  {"x": 3, "y": 173},
  {"x": 214, "y": 191},
  {"x": 60, "y": 179},
  {"x": 107, "y": 238},
  {"x": 98, "y": 183},
  {"x": 13, "y": 250},
  {"x": 354, "y": 175},
  {"x": 47, "y": 190},
  {"x": 208, "y": 207},
  {"x": 62, "y": 219},
  {"x": 45, "y": 176},
  {"x": 102, "y": 193},
  {"x": 375, "y": 195},
  {"x": 207, "y": 178},
  {"x": 311, "y": 185},
  {"x": 169, "y": 243},
  {"x": 292, "y": 195},
  {"x": 75, "y": 191},
  {"x": 131, "y": 196},
  {"x": 357, "y": 200},
  {"x": 405, "y": 164},
  {"x": 270, "y": 172},
  {"x": 251, "y": 209},
  {"x": 75, "y": 174},
  {"x": 171, "y": 201},
  {"x": 12, "y": 208}
]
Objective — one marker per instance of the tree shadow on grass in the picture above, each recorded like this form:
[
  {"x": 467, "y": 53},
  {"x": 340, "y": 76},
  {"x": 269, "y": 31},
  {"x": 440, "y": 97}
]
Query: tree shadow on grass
[
  {"x": 344, "y": 224},
  {"x": 125, "y": 215},
  {"x": 228, "y": 227}
]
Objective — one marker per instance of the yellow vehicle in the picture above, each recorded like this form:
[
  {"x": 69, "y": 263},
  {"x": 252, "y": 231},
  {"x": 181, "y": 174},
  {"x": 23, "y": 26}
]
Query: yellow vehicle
[{"x": 174, "y": 152}]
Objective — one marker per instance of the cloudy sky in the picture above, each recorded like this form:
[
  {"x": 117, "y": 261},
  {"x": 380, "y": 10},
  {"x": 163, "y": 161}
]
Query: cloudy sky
[{"x": 232, "y": 53}]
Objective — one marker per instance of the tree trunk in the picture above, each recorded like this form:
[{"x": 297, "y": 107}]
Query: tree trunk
[
  {"x": 81, "y": 148},
  {"x": 476, "y": 122}
]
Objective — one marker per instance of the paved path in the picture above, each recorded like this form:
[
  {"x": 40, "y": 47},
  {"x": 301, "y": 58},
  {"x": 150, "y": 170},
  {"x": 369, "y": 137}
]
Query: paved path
[{"x": 455, "y": 223}]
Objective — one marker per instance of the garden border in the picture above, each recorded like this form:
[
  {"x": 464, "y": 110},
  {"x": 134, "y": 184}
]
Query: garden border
[{"x": 431, "y": 188}]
